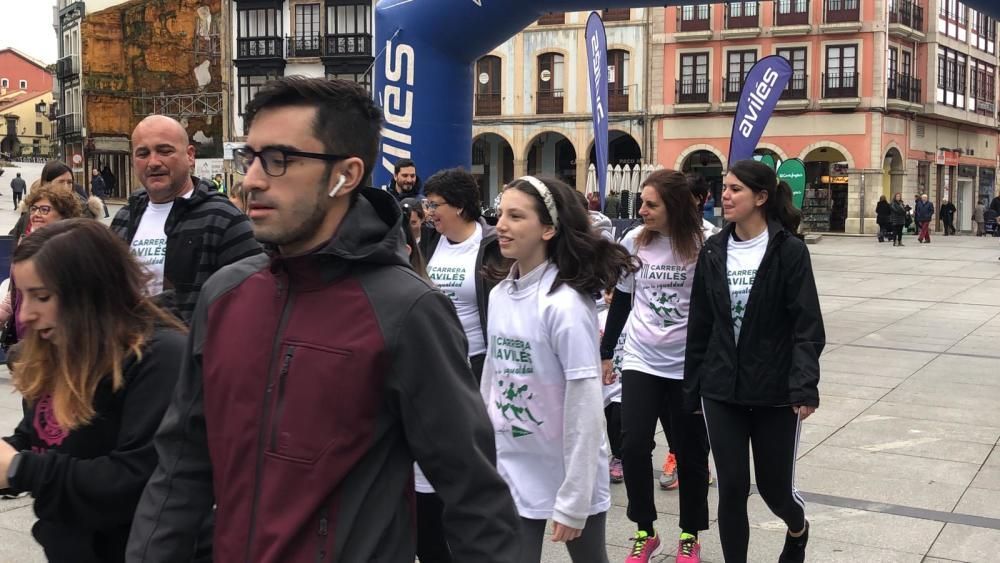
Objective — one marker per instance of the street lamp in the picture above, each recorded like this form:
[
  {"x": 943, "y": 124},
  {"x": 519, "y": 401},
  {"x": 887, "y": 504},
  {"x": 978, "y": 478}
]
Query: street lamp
[{"x": 41, "y": 108}]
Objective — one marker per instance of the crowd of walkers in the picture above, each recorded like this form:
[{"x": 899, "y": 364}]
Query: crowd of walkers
[{"x": 308, "y": 369}]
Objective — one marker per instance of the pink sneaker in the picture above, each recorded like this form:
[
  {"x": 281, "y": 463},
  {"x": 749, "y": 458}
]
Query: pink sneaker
[
  {"x": 617, "y": 474},
  {"x": 645, "y": 548},
  {"x": 688, "y": 549}
]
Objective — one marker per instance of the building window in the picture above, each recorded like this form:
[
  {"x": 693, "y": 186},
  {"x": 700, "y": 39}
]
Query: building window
[
  {"x": 4, "y": 83},
  {"x": 22, "y": 84},
  {"x": 907, "y": 66},
  {"x": 307, "y": 31},
  {"x": 38, "y": 128},
  {"x": 550, "y": 83},
  {"x": 742, "y": 15},
  {"x": 693, "y": 87},
  {"x": 984, "y": 33},
  {"x": 249, "y": 84},
  {"x": 259, "y": 33},
  {"x": 358, "y": 76},
  {"x": 923, "y": 176},
  {"x": 952, "y": 71},
  {"x": 488, "y": 85},
  {"x": 953, "y": 19},
  {"x": 983, "y": 88},
  {"x": 840, "y": 79},
  {"x": 893, "y": 67},
  {"x": 839, "y": 11},
  {"x": 738, "y": 65},
  {"x": 796, "y": 88},
  {"x": 349, "y": 29},
  {"x": 791, "y": 12},
  {"x": 695, "y": 17},
  {"x": 618, "y": 88}
]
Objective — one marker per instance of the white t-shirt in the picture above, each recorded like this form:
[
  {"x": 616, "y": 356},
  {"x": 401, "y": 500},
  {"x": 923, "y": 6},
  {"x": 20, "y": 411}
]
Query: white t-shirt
[
  {"x": 453, "y": 270},
  {"x": 539, "y": 343},
  {"x": 613, "y": 392},
  {"x": 742, "y": 261},
  {"x": 661, "y": 297},
  {"x": 149, "y": 245}
]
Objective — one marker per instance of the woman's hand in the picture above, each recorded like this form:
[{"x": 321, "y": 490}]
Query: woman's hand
[
  {"x": 803, "y": 411},
  {"x": 563, "y": 533},
  {"x": 609, "y": 372}
]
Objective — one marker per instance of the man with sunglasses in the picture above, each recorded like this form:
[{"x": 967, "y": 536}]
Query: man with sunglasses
[
  {"x": 180, "y": 227},
  {"x": 316, "y": 375}
]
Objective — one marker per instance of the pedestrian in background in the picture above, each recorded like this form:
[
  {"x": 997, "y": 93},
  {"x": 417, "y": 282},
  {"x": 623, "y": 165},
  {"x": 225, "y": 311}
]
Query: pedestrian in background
[
  {"x": 978, "y": 217},
  {"x": 883, "y": 213},
  {"x": 97, "y": 369},
  {"x": 755, "y": 335},
  {"x": 923, "y": 212},
  {"x": 17, "y": 188},
  {"x": 947, "y": 214},
  {"x": 98, "y": 189},
  {"x": 897, "y": 218}
]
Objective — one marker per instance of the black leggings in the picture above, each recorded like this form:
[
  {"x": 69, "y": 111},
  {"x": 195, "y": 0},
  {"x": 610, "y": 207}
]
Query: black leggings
[
  {"x": 590, "y": 547},
  {"x": 774, "y": 434},
  {"x": 432, "y": 547},
  {"x": 613, "y": 417},
  {"x": 643, "y": 397}
]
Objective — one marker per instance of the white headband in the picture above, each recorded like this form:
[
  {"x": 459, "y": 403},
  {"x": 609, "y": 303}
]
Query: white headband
[{"x": 543, "y": 190}]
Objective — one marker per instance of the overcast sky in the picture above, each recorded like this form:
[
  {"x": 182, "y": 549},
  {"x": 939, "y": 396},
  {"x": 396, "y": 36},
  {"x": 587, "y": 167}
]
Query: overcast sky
[{"x": 27, "y": 27}]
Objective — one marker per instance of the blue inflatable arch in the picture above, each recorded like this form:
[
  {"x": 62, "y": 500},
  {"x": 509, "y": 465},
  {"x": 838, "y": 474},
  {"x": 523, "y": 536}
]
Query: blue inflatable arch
[{"x": 424, "y": 76}]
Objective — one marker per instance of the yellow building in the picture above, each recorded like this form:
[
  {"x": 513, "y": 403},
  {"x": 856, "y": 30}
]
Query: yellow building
[{"x": 25, "y": 129}]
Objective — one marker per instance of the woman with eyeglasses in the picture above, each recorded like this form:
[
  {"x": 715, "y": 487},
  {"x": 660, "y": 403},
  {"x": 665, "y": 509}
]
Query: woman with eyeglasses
[
  {"x": 458, "y": 251},
  {"x": 45, "y": 205}
]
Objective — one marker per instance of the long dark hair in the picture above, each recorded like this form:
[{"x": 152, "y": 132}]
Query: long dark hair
[
  {"x": 53, "y": 169},
  {"x": 104, "y": 316},
  {"x": 586, "y": 261},
  {"x": 760, "y": 178},
  {"x": 683, "y": 216}
]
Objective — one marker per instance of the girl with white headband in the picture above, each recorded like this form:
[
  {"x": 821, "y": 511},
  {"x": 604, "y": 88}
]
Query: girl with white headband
[{"x": 542, "y": 379}]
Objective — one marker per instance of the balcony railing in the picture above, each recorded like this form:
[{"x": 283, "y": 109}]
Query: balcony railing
[
  {"x": 348, "y": 45},
  {"x": 69, "y": 124},
  {"x": 742, "y": 20},
  {"x": 260, "y": 48},
  {"x": 68, "y": 66},
  {"x": 549, "y": 101},
  {"x": 618, "y": 98},
  {"x": 616, "y": 14},
  {"x": 700, "y": 20},
  {"x": 693, "y": 90},
  {"x": 553, "y": 18},
  {"x": 906, "y": 88},
  {"x": 734, "y": 85},
  {"x": 304, "y": 46},
  {"x": 487, "y": 104},
  {"x": 986, "y": 107},
  {"x": 791, "y": 18},
  {"x": 840, "y": 85},
  {"x": 797, "y": 87},
  {"x": 842, "y": 11},
  {"x": 907, "y": 13}
]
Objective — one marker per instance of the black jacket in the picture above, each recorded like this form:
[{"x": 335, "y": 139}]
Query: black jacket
[
  {"x": 417, "y": 191},
  {"x": 87, "y": 482},
  {"x": 204, "y": 233},
  {"x": 97, "y": 186},
  {"x": 947, "y": 211},
  {"x": 897, "y": 213},
  {"x": 882, "y": 213},
  {"x": 489, "y": 257},
  {"x": 776, "y": 361}
]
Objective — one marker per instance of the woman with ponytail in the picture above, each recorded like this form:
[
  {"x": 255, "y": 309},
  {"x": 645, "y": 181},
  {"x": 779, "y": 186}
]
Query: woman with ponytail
[
  {"x": 653, "y": 304},
  {"x": 542, "y": 378},
  {"x": 755, "y": 335}
]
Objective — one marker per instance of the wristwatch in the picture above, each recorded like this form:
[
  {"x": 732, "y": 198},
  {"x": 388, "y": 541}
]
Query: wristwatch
[{"x": 15, "y": 464}]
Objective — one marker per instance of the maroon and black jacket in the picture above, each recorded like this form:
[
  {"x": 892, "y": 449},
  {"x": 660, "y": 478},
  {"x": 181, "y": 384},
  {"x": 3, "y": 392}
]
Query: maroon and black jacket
[{"x": 309, "y": 386}]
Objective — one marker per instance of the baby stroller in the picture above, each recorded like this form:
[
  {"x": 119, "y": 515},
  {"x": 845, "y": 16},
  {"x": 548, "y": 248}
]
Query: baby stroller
[{"x": 990, "y": 224}]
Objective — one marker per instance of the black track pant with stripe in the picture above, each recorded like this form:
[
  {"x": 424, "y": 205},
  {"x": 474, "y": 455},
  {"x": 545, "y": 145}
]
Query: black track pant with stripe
[{"x": 774, "y": 434}]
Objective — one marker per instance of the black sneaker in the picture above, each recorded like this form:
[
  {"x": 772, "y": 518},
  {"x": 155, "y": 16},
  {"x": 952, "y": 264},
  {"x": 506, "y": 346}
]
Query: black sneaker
[{"x": 795, "y": 548}]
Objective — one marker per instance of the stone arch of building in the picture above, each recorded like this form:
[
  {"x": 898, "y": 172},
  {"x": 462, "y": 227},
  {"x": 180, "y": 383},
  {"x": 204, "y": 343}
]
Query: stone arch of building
[
  {"x": 830, "y": 145},
  {"x": 679, "y": 164}
]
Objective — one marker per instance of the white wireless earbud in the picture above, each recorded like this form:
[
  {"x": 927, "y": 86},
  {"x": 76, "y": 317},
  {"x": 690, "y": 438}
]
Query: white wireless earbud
[{"x": 340, "y": 184}]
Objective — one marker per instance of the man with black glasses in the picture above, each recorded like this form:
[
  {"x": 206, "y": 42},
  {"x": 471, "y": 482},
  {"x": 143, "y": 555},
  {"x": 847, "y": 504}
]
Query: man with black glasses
[
  {"x": 180, "y": 228},
  {"x": 316, "y": 375}
]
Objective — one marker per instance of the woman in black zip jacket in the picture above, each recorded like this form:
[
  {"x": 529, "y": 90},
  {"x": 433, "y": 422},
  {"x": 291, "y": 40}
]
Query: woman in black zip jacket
[
  {"x": 97, "y": 368},
  {"x": 755, "y": 334},
  {"x": 458, "y": 252}
]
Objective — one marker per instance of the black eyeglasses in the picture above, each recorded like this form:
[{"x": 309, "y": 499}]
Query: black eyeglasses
[
  {"x": 40, "y": 209},
  {"x": 275, "y": 160}
]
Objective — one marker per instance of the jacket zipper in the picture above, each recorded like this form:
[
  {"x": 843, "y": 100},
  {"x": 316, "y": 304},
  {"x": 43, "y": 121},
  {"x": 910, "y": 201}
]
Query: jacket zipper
[
  {"x": 280, "y": 406},
  {"x": 268, "y": 390},
  {"x": 323, "y": 532}
]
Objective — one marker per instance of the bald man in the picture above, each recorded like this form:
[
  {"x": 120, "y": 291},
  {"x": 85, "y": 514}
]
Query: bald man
[{"x": 180, "y": 228}]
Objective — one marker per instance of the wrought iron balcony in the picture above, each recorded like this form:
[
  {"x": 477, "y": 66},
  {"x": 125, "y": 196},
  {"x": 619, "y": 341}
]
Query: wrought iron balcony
[
  {"x": 907, "y": 13},
  {"x": 69, "y": 124},
  {"x": 734, "y": 86},
  {"x": 68, "y": 67},
  {"x": 549, "y": 101},
  {"x": 487, "y": 104},
  {"x": 840, "y": 85},
  {"x": 693, "y": 90},
  {"x": 304, "y": 46},
  {"x": 905, "y": 88},
  {"x": 260, "y": 48},
  {"x": 348, "y": 45},
  {"x": 797, "y": 87},
  {"x": 618, "y": 98}
]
